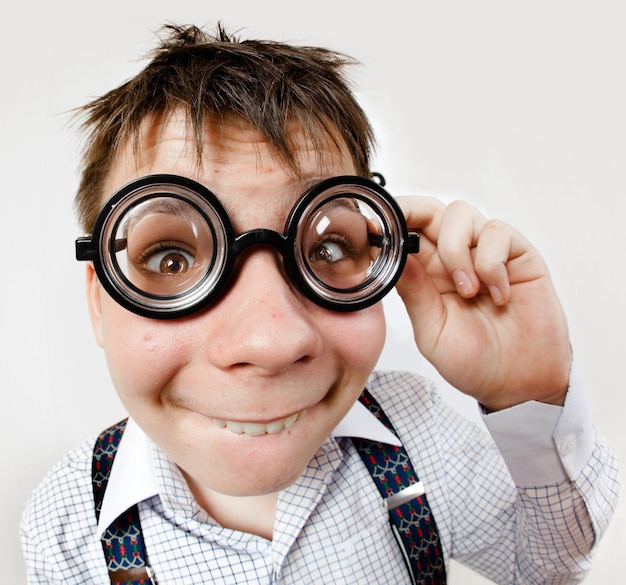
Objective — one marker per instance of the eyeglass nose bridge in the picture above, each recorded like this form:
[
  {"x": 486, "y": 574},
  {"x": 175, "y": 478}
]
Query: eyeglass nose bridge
[
  {"x": 260, "y": 237},
  {"x": 273, "y": 239}
]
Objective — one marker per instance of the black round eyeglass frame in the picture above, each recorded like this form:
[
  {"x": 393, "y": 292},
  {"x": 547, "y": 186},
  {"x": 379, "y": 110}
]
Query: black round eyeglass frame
[{"x": 99, "y": 249}]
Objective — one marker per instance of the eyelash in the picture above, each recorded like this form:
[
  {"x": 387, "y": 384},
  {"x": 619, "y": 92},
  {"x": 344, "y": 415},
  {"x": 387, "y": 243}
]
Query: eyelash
[
  {"x": 334, "y": 239},
  {"x": 153, "y": 249}
]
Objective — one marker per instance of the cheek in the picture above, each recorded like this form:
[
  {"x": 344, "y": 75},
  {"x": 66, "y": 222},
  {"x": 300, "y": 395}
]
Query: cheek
[
  {"x": 359, "y": 337},
  {"x": 142, "y": 357}
]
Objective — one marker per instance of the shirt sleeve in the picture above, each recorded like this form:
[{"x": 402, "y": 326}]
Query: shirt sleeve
[{"x": 544, "y": 444}]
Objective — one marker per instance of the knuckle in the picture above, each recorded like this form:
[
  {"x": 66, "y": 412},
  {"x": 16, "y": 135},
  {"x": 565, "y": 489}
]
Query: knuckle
[
  {"x": 458, "y": 206},
  {"x": 495, "y": 226},
  {"x": 486, "y": 267}
]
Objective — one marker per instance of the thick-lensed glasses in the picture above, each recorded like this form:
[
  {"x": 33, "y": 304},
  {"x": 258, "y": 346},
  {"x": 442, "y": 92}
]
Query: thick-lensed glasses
[{"x": 164, "y": 247}]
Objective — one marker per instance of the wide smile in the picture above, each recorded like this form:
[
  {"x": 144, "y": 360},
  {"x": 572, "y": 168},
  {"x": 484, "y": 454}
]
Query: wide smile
[{"x": 256, "y": 429}]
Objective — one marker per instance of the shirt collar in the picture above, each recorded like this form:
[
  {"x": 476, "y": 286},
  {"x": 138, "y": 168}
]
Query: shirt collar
[{"x": 133, "y": 477}]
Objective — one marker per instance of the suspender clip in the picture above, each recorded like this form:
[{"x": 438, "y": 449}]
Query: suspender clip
[{"x": 404, "y": 496}]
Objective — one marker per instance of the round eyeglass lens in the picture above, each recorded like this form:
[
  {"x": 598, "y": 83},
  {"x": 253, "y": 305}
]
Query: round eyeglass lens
[
  {"x": 350, "y": 245},
  {"x": 163, "y": 246},
  {"x": 336, "y": 243},
  {"x": 164, "y": 250}
]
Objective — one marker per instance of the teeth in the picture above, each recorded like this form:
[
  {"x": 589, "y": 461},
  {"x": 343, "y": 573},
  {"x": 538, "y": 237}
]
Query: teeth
[
  {"x": 292, "y": 419},
  {"x": 275, "y": 427},
  {"x": 235, "y": 427},
  {"x": 253, "y": 429},
  {"x": 257, "y": 429}
]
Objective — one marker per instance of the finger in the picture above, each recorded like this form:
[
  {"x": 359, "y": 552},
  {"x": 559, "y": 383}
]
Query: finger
[
  {"x": 423, "y": 301},
  {"x": 460, "y": 228},
  {"x": 495, "y": 247},
  {"x": 504, "y": 257},
  {"x": 423, "y": 213}
]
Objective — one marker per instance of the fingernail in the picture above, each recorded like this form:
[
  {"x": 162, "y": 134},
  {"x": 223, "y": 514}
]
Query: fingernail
[
  {"x": 496, "y": 295},
  {"x": 462, "y": 282}
]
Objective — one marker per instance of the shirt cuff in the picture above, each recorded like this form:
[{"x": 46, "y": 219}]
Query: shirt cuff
[{"x": 544, "y": 444}]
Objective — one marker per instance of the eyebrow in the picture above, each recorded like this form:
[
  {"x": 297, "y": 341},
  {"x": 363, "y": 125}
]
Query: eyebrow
[
  {"x": 161, "y": 204},
  {"x": 311, "y": 182},
  {"x": 170, "y": 206}
]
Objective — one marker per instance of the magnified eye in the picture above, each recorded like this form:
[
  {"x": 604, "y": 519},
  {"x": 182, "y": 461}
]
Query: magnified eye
[
  {"x": 167, "y": 258},
  {"x": 332, "y": 249},
  {"x": 337, "y": 244},
  {"x": 164, "y": 247}
]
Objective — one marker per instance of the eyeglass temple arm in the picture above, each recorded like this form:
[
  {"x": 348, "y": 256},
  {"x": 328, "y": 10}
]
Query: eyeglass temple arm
[
  {"x": 85, "y": 250},
  {"x": 412, "y": 243}
]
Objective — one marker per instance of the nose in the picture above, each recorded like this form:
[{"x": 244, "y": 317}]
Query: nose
[{"x": 262, "y": 321}]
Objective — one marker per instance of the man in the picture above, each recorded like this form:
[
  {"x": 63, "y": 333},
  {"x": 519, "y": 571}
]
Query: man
[{"x": 238, "y": 254}]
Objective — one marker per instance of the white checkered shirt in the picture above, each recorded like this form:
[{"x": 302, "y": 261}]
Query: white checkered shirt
[{"x": 331, "y": 526}]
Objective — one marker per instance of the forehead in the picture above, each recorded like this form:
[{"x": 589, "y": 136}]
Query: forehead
[{"x": 234, "y": 160}]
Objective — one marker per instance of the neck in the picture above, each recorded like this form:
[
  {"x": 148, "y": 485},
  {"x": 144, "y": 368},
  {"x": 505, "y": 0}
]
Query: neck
[{"x": 251, "y": 514}]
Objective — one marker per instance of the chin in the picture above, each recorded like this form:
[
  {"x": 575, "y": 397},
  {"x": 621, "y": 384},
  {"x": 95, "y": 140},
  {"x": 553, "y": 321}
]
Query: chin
[
  {"x": 247, "y": 480},
  {"x": 260, "y": 476},
  {"x": 261, "y": 488}
]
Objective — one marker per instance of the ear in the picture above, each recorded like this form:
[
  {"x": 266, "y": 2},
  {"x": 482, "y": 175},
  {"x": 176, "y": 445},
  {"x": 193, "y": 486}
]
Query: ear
[{"x": 94, "y": 301}]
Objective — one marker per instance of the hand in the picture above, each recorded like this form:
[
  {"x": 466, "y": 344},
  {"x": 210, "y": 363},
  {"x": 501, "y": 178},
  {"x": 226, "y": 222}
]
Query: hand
[{"x": 483, "y": 308}]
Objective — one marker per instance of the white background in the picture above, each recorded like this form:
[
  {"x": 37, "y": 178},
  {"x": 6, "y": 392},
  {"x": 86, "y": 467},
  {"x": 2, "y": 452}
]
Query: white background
[{"x": 518, "y": 107}]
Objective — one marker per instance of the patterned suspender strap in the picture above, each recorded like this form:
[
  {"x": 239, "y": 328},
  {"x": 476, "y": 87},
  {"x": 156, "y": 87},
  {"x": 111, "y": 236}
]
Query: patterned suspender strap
[
  {"x": 410, "y": 517},
  {"x": 122, "y": 542}
]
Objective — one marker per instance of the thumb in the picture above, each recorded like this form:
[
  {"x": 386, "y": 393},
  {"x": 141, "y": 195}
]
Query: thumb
[{"x": 423, "y": 302}]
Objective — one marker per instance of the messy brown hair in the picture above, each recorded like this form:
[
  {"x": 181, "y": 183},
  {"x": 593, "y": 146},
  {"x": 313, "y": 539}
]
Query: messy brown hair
[{"x": 263, "y": 83}]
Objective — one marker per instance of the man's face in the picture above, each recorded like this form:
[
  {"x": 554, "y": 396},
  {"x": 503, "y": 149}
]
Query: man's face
[{"x": 242, "y": 394}]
